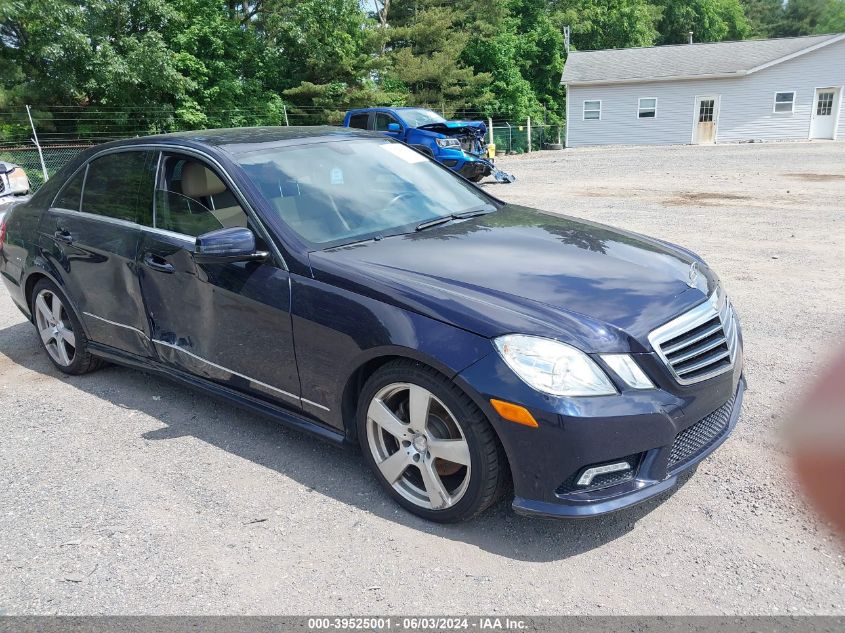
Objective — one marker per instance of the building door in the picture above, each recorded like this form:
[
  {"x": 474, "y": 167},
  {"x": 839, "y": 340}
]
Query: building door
[
  {"x": 706, "y": 119},
  {"x": 825, "y": 109}
]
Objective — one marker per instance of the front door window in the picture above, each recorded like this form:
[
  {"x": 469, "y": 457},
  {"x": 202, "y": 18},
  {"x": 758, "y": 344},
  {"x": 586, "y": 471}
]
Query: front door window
[
  {"x": 191, "y": 199},
  {"x": 383, "y": 119}
]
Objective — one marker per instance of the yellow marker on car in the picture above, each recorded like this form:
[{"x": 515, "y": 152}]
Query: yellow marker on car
[{"x": 514, "y": 413}]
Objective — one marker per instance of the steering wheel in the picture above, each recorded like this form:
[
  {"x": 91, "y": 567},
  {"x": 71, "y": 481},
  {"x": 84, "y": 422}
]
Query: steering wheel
[{"x": 397, "y": 198}]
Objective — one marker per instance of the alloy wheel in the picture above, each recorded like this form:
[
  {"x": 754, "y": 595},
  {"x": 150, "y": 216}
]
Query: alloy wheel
[
  {"x": 55, "y": 328},
  {"x": 418, "y": 446}
]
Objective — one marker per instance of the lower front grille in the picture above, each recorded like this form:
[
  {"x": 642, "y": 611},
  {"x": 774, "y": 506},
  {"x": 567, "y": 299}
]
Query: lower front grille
[{"x": 696, "y": 439}]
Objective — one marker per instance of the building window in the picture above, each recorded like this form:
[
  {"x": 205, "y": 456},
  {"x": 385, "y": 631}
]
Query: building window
[
  {"x": 647, "y": 108},
  {"x": 592, "y": 110},
  {"x": 784, "y": 102}
]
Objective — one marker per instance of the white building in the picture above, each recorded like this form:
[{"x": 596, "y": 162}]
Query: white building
[{"x": 787, "y": 88}]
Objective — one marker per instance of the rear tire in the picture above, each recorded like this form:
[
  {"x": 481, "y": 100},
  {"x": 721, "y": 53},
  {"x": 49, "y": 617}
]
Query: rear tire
[
  {"x": 476, "y": 179},
  {"x": 60, "y": 331},
  {"x": 428, "y": 444}
]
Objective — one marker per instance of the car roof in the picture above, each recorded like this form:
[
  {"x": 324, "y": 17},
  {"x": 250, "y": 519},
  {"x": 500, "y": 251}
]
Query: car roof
[
  {"x": 243, "y": 139},
  {"x": 394, "y": 108}
]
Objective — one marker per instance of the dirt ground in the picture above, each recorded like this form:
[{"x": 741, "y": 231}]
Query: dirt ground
[{"x": 123, "y": 493}]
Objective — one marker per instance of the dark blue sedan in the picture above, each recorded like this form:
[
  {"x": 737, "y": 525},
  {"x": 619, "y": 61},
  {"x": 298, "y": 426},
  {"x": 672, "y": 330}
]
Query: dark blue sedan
[{"x": 346, "y": 285}]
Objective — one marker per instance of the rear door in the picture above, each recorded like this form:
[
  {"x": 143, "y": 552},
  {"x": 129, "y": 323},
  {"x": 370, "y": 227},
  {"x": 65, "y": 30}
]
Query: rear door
[
  {"x": 91, "y": 234},
  {"x": 229, "y": 323}
]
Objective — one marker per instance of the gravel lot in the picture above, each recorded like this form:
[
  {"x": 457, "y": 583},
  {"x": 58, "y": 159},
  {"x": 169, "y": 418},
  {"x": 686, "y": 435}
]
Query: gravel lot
[{"x": 123, "y": 493}]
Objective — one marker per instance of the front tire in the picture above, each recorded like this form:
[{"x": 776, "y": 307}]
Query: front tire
[
  {"x": 60, "y": 331},
  {"x": 428, "y": 444}
]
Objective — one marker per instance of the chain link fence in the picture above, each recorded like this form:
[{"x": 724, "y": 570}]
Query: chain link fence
[
  {"x": 513, "y": 138},
  {"x": 64, "y": 131},
  {"x": 55, "y": 157}
]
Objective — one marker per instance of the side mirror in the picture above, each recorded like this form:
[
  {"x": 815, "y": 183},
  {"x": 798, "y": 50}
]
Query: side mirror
[
  {"x": 224, "y": 246},
  {"x": 394, "y": 127}
]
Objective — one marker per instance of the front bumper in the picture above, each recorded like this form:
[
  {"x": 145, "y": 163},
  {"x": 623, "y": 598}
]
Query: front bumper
[
  {"x": 642, "y": 486},
  {"x": 662, "y": 432},
  {"x": 467, "y": 165},
  {"x": 474, "y": 169}
]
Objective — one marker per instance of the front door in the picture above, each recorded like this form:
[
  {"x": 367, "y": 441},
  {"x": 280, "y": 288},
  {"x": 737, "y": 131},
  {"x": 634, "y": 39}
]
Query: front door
[
  {"x": 382, "y": 122},
  {"x": 706, "y": 119},
  {"x": 825, "y": 109},
  {"x": 229, "y": 323}
]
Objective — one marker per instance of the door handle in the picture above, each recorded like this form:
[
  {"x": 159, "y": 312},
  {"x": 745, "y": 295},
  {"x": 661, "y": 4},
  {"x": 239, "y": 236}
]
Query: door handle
[
  {"x": 63, "y": 235},
  {"x": 156, "y": 262}
]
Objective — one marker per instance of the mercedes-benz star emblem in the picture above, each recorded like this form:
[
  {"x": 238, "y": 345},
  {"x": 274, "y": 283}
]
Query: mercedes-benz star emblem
[{"x": 693, "y": 274}]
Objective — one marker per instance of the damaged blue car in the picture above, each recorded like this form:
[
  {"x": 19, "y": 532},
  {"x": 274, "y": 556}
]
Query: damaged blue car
[{"x": 459, "y": 145}]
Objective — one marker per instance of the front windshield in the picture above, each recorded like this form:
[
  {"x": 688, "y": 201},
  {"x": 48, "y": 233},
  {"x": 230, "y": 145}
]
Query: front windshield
[
  {"x": 339, "y": 192},
  {"x": 418, "y": 117}
]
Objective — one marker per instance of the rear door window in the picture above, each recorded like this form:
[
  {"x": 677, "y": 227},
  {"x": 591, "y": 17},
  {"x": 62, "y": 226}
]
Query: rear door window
[
  {"x": 114, "y": 186},
  {"x": 359, "y": 120},
  {"x": 70, "y": 195}
]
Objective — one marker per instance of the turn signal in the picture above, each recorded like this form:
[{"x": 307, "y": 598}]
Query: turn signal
[{"x": 514, "y": 413}]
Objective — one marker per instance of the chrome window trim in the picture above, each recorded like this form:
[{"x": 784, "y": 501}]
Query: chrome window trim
[
  {"x": 716, "y": 305},
  {"x": 190, "y": 151},
  {"x": 124, "y": 223}
]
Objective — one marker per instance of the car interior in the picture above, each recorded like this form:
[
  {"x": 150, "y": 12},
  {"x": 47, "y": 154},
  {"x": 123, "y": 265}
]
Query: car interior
[{"x": 191, "y": 199}]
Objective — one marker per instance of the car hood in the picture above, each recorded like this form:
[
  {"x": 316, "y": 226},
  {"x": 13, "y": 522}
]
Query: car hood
[
  {"x": 456, "y": 128},
  {"x": 522, "y": 270}
]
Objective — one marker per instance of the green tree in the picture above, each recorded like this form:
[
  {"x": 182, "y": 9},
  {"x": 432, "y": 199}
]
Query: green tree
[
  {"x": 598, "y": 24},
  {"x": 832, "y": 18},
  {"x": 765, "y": 17},
  {"x": 709, "y": 20},
  {"x": 807, "y": 17},
  {"x": 424, "y": 47}
]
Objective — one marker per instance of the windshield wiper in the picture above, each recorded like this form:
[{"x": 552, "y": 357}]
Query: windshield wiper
[
  {"x": 471, "y": 213},
  {"x": 422, "y": 226}
]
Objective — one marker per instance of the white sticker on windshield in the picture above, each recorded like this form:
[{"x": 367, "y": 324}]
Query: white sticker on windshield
[
  {"x": 337, "y": 176},
  {"x": 404, "y": 152}
]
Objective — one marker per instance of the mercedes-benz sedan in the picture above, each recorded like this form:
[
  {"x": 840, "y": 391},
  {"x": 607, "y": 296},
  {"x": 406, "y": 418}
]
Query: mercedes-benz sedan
[{"x": 349, "y": 286}]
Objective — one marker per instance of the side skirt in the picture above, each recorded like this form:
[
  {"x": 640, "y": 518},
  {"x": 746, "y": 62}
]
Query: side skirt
[{"x": 255, "y": 405}]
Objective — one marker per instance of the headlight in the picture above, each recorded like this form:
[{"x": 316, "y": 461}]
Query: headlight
[
  {"x": 18, "y": 182},
  {"x": 552, "y": 367},
  {"x": 628, "y": 370},
  {"x": 447, "y": 142}
]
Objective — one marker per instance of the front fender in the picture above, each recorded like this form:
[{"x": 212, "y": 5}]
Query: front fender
[{"x": 337, "y": 331}]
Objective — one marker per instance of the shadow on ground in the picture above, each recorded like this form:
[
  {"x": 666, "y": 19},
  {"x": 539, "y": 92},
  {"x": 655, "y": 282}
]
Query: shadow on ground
[{"x": 323, "y": 468}]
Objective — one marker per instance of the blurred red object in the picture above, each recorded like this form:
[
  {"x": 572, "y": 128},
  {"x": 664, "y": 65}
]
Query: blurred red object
[{"x": 816, "y": 433}]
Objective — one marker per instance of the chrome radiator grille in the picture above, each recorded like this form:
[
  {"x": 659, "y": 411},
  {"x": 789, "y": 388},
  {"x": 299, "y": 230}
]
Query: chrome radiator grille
[{"x": 701, "y": 343}]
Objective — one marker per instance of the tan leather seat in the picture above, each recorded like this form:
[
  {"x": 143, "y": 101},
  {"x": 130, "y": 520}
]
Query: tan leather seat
[{"x": 202, "y": 184}]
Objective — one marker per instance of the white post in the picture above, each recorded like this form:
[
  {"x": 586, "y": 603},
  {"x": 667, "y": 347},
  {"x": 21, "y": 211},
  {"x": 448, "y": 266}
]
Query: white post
[
  {"x": 285, "y": 108},
  {"x": 35, "y": 140},
  {"x": 528, "y": 129},
  {"x": 490, "y": 127}
]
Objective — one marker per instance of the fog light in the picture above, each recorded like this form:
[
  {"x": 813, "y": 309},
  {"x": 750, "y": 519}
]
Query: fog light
[{"x": 588, "y": 475}]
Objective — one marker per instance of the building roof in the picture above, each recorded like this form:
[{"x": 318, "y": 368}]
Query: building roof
[{"x": 686, "y": 61}]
